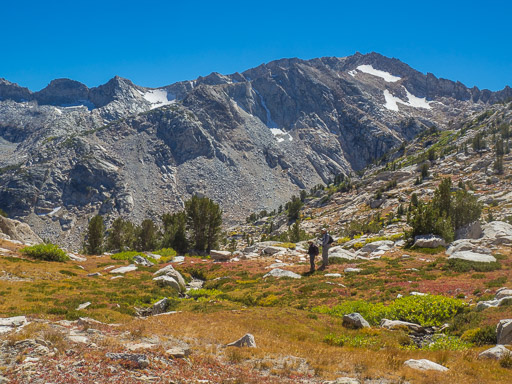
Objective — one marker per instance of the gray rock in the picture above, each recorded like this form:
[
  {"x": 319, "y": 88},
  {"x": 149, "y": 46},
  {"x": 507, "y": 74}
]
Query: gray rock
[
  {"x": 7, "y": 324},
  {"x": 178, "y": 352},
  {"x": 355, "y": 320},
  {"x": 278, "y": 273},
  {"x": 424, "y": 365},
  {"x": 429, "y": 241},
  {"x": 123, "y": 270},
  {"x": 466, "y": 245},
  {"x": 138, "y": 259},
  {"x": 382, "y": 245},
  {"x": 220, "y": 255},
  {"x": 495, "y": 353},
  {"x": 397, "y": 324},
  {"x": 470, "y": 231},
  {"x": 340, "y": 253},
  {"x": 140, "y": 360},
  {"x": 168, "y": 281},
  {"x": 83, "y": 306},
  {"x": 157, "y": 308},
  {"x": 352, "y": 270},
  {"x": 273, "y": 250},
  {"x": 16, "y": 230},
  {"x": 501, "y": 294},
  {"x": 504, "y": 332},
  {"x": 492, "y": 303},
  {"x": 171, "y": 272},
  {"x": 245, "y": 341},
  {"x": 472, "y": 256},
  {"x": 497, "y": 232}
]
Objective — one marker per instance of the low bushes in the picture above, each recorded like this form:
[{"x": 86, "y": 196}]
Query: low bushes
[
  {"x": 47, "y": 252},
  {"x": 430, "y": 310}
]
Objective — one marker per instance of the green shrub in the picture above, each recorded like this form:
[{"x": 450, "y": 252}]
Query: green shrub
[
  {"x": 48, "y": 252},
  {"x": 197, "y": 293},
  {"x": 429, "y": 310},
  {"x": 358, "y": 341},
  {"x": 481, "y": 336},
  {"x": 166, "y": 252},
  {"x": 127, "y": 255},
  {"x": 458, "y": 265},
  {"x": 445, "y": 343}
]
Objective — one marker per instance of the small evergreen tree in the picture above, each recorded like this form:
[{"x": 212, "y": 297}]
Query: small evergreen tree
[
  {"x": 147, "y": 236},
  {"x": 175, "y": 231},
  {"x": 294, "y": 207},
  {"x": 204, "y": 219},
  {"x": 121, "y": 235},
  {"x": 94, "y": 236}
]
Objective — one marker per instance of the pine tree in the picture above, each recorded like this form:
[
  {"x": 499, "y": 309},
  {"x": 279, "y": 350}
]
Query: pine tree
[
  {"x": 121, "y": 235},
  {"x": 147, "y": 236},
  {"x": 175, "y": 231},
  {"x": 204, "y": 220},
  {"x": 94, "y": 237}
]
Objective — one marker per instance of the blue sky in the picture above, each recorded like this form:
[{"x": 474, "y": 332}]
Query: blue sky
[{"x": 155, "y": 43}]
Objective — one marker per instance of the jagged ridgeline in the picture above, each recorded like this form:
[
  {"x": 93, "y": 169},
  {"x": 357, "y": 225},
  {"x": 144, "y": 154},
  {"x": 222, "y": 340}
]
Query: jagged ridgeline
[{"x": 249, "y": 140}]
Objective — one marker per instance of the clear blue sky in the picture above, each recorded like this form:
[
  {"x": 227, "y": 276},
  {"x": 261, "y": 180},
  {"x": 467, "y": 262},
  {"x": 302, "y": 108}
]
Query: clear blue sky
[{"x": 155, "y": 43}]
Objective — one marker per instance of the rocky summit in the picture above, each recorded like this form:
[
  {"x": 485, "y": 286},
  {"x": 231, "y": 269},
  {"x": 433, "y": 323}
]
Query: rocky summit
[{"x": 247, "y": 140}]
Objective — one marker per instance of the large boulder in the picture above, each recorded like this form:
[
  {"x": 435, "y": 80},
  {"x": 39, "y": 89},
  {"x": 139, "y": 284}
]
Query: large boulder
[
  {"x": 278, "y": 273},
  {"x": 470, "y": 231},
  {"x": 171, "y": 272},
  {"x": 138, "y": 259},
  {"x": 495, "y": 353},
  {"x": 429, "y": 241},
  {"x": 397, "y": 324},
  {"x": 16, "y": 230},
  {"x": 472, "y": 256},
  {"x": 271, "y": 250},
  {"x": 503, "y": 293},
  {"x": 220, "y": 255},
  {"x": 355, "y": 321},
  {"x": 246, "y": 340},
  {"x": 382, "y": 245},
  {"x": 339, "y": 253},
  {"x": 497, "y": 232},
  {"x": 425, "y": 365},
  {"x": 504, "y": 331},
  {"x": 123, "y": 270},
  {"x": 168, "y": 281},
  {"x": 466, "y": 245}
]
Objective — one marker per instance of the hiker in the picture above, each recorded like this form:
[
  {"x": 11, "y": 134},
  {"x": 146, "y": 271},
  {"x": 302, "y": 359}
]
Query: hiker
[
  {"x": 312, "y": 252},
  {"x": 327, "y": 240}
]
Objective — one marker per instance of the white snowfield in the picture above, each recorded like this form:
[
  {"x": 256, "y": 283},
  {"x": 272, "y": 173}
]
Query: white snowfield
[
  {"x": 280, "y": 135},
  {"x": 412, "y": 101},
  {"x": 377, "y": 72},
  {"x": 158, "y": 97}
]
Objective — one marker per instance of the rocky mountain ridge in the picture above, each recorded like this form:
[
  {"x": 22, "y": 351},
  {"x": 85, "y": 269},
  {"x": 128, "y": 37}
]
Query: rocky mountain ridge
[{"x": 248, "y": 140}]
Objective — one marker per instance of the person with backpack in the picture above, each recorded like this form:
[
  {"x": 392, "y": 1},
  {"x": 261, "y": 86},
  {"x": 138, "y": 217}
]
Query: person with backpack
[
  {"x": 313, "y": 251},
  {"x": 327, "y": 240}
]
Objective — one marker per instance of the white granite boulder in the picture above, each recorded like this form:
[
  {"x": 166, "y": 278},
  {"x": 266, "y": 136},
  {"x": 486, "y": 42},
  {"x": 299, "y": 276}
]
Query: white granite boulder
[
  {"x": 429, "y": 241},
  {"x": 220, "y": 255},
  {"x": 171, "y": 272},
  {"x": 397, "y": 324},
  {"x": 504, "y": 332},
  {"x": 278, "y": 273},
  {"x": 123, "y": 270},
  {"x": 168, "y": 281},
  {"x": 355, "y": 321},
  {"x": 246, "y": 340},
  {"x": 495, "y": 353},
  {"x": 466, "y": 245},
  {"x": 339, "y": 253},
  {"x": 472, "y": 256},
  {"x": 425, "y": 365},
  {"x": 497, "y": 232}
]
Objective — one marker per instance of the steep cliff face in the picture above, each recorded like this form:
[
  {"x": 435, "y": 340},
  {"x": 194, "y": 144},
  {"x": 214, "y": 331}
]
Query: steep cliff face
[{"x": 248, "y": 140}]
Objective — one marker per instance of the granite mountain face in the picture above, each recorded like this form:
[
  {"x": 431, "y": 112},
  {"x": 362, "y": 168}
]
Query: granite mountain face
[{"x": 247, "y": 140}]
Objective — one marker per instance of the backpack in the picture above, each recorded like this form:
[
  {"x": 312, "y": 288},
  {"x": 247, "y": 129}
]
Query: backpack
[{"x": 331, "y": 240}]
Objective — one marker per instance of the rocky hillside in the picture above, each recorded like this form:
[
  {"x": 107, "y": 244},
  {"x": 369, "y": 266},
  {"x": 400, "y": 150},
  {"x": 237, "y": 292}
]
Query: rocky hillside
[{"x": 248, "y": 140}]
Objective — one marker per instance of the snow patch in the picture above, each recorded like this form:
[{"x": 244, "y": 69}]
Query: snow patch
[
  {"x": 391, "y": 101},
  {"x": 159, "y": 97},
  {"x": 377, "y": 72},
  {"x": 281, "y": 135},
  {"x": 352, "y": 73},
  {"x": 412, "y": 101}
]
